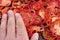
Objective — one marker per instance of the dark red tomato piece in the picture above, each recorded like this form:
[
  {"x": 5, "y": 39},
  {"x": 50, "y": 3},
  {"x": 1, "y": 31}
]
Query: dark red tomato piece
[
  {"x": 48, "y": 18},
  {"x": 33, "y": 29},
  {"x": 37, "y": 5}
]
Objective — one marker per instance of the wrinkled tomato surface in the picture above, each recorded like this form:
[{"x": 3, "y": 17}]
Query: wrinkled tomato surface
[{"x": 42, "y": 16}]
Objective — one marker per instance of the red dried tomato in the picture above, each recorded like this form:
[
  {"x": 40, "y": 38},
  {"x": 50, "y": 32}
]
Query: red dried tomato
[
  {"x": 55, "y": 27},
  {"x": 36, "y": 14}
]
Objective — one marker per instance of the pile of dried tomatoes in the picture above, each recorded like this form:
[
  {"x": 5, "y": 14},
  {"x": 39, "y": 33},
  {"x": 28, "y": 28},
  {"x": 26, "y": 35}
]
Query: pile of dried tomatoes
[{"x": 42, "y": 16}]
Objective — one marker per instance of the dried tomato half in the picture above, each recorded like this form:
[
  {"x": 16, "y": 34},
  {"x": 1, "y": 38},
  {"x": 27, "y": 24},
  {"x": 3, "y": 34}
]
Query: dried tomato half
[
  {"x": 33, "y": 29},
  {"x": 48, "y": 35},
  {"x": 55, "y": 27}
]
